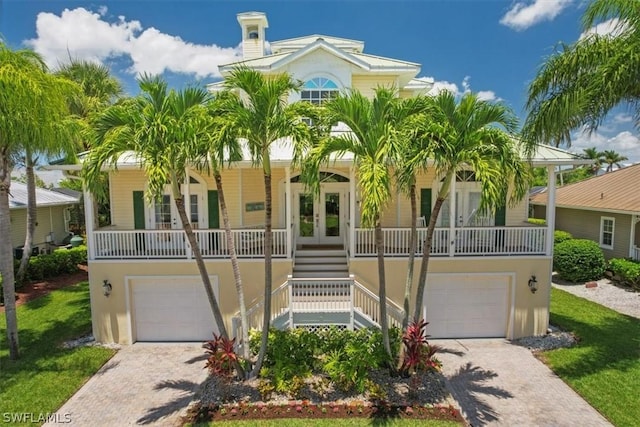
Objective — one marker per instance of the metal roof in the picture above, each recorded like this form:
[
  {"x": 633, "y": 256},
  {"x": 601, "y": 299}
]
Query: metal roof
[
  {"x": 44, "y": 198},
  {"x": 613, "y": 191}
]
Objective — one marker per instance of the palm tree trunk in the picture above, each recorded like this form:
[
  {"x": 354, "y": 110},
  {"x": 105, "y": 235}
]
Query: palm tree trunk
[
  {"x": 32, "y": 217},
  {"x": 234, "y": 265},
  {"x": 426, "y": 252},
  {"x": 268, "y": 238},
  {"x": 382, "y": 291},
  {"x": 412, "y": 254},
  {"x": 6, "y": 257}
]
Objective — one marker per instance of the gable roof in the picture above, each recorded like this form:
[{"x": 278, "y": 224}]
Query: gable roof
[
  {"x": 300, "y": 42},
  {"x": 44, "y": 197},
  {"x": 369, "y": 63},
  {"x": 613, "y": 191}
]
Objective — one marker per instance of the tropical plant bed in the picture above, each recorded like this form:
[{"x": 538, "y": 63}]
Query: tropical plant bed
[{"x": 306, "y": 410}]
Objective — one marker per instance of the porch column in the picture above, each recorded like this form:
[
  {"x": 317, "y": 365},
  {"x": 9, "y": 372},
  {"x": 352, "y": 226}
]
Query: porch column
[
  {"x": 632, "y": 236},
  {"x": 352, "y": 212},
  {"x": 551, "y": 207},
  {"x": 187, "y": 207},
  {"x": 452, "y": 215},
  {"x": 288, "y": 221},
  {"x": 89, "y": 218}
]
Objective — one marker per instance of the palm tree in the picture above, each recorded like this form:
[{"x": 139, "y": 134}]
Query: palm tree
[
  {"x": 580, "y": 83},
  {"x": 378, "y": 129},
  {"x": 596, "y": 156},
  {"x": 612, "y": 158},
  {"x": 261, "y": 115},
  {"x": 223, "y": 147},
  {"x": 99, "y": 89},
  {"x": 165, "y": 128},
  {"x": 405, "y": 175},
  {"x": 34, "y": 117},
  {"x": 475, "y": 135}
]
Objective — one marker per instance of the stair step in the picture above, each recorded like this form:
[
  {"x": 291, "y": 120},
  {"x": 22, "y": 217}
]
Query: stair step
[
  {"x": 329, "y": 274},
  {"x": 321, "y": 267},
  {"x": 319, "y": 252},
  {"x": 321, "y": 260}
]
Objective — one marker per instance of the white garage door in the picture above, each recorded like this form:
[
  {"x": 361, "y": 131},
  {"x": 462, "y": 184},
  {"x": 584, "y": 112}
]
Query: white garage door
[
  {"x": 172, "y": 309},
  {"x": 466, "y": 306}
]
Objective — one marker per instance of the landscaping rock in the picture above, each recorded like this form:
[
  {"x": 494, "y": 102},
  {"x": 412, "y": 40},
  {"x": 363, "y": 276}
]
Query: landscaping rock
[
  {"x": 553, "y": 340},
  {"x": 590, "y": 285}
]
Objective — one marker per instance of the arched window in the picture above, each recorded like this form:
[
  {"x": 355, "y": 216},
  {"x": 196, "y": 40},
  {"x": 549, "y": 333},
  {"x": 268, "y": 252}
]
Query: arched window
[{"x": 318, "y": 90}]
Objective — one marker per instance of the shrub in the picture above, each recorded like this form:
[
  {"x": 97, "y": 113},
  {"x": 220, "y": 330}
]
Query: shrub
[
  {"x": 59, "y": 261},
  {"x": 419, "y": 355},
  {"x": 537, "y": 221},
  {"x": 579, "y": 260},
  {"x": 626, "y": 271},
  {"x": 560, "y": 236}
]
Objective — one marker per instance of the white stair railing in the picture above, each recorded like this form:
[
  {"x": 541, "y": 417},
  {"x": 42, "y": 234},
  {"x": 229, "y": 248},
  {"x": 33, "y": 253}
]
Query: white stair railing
[{"x": 320, "y": 296}]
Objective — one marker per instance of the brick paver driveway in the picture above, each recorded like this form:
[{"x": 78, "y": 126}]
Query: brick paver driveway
[
  {"x": 143, "y": 384},
  {"x": 500, "y": 384}
]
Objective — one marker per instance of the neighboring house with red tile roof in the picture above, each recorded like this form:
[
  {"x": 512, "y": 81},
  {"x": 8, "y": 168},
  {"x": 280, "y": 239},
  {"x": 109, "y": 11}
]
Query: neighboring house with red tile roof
[{"x": 605, "y": 209}]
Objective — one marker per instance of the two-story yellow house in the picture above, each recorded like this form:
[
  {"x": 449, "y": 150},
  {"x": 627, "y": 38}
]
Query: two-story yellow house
[{"x": 324, "y": 267}]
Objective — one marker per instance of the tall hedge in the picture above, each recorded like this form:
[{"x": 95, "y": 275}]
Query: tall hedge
[{"x": 578, "y": 260}]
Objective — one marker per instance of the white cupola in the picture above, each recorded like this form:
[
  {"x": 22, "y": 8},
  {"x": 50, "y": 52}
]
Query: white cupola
[{"x": 253, "y": 26}]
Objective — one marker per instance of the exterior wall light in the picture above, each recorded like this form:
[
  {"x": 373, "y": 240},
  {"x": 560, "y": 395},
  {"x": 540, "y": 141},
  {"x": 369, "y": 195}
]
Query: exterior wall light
[
  {"x": 106, "y": 287},
  {"x": 533, "y": 284}
]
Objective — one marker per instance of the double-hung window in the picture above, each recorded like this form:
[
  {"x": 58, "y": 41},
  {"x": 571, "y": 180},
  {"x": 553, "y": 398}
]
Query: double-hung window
[{"x": 607, "y": 227}]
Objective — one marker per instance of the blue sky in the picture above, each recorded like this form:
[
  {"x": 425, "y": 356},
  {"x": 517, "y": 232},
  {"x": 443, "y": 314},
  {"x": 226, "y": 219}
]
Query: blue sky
[{"x": 492, "y": 47}]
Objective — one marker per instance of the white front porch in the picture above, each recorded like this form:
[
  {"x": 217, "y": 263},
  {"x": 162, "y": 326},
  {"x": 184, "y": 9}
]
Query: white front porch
[{"x": 358, "y": 242}]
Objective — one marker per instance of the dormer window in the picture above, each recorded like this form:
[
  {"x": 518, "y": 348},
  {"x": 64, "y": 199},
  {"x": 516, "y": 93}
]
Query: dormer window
[{"x": 318, "y": 90}]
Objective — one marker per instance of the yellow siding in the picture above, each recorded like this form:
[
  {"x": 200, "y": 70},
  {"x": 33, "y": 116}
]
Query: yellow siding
[
  {"x": 123, "y": 184},
  {"x": 49, "y": 219},
  {"x": 366, "y": 84},
  {"x": 405, "y": 93},
  {"x": 109, "y": 315},
  {"x": 530, "y": 310}
]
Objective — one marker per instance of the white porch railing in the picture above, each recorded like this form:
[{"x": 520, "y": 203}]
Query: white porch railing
[
  {"x": 636, "y": 253},
  {"x": 151, "y": 244},
  {"x": 466, "y": 241},
  {"x": 320, "y": 296}
]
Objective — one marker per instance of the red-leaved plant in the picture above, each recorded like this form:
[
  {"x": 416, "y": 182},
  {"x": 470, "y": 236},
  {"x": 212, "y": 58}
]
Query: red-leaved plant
[
  {"x": 222, "y": 356},
  {"x": 418, "y": 353}
]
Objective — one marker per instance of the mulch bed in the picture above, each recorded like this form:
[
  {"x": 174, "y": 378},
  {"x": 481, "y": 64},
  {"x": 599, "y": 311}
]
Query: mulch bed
[
  {"x": 33, "y": 290},
  {"x": 301, "y": 409}
]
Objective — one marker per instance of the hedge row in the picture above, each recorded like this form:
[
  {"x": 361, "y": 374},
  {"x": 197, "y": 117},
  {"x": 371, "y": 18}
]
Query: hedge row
[{"x": 57, "y": 262}]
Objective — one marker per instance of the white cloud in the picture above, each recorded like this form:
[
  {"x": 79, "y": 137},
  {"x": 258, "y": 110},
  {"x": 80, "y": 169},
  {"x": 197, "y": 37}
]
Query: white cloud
[
  {"x": 611, "y": 27},
  {"x": 624, "y": 143},
  {"x": 487, "y": 95},
  {"x": 523, "y": 15},
  {"x": 440, "y": 86},
  {"x": 466, "y": 86},
  {"x": 84, "y": 34},
  {"x": 622, "y": 118}
]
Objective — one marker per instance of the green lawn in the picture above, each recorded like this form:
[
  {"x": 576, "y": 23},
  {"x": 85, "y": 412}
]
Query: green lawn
[
  {"x": 46, "y": 375},
  {"x": 604, "y": 367},
  {"x": 351, "y": 422}
]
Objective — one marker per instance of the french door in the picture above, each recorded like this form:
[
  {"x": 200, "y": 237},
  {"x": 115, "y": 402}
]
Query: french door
[{"x": 320, "y": 220}]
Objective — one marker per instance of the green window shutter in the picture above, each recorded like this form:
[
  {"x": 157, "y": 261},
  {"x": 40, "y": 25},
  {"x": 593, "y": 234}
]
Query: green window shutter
[
  {"x": 425, "y": 204},
  {"x": 138, "y": 210},
  {"x": 214, "y": 212},
  {"x": 501, "y": 215}
]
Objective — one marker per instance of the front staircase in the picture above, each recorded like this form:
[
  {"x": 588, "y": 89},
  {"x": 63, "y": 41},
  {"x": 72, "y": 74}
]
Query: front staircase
[
  {"x": 320, "y": 262},
  {"x": 320, "y": 293}
]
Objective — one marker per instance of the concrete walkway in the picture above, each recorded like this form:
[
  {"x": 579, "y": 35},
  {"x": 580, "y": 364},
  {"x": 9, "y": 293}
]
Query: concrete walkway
[
  {"x": 143, "y": 384},
  {"x": 500, "y": 384}
]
